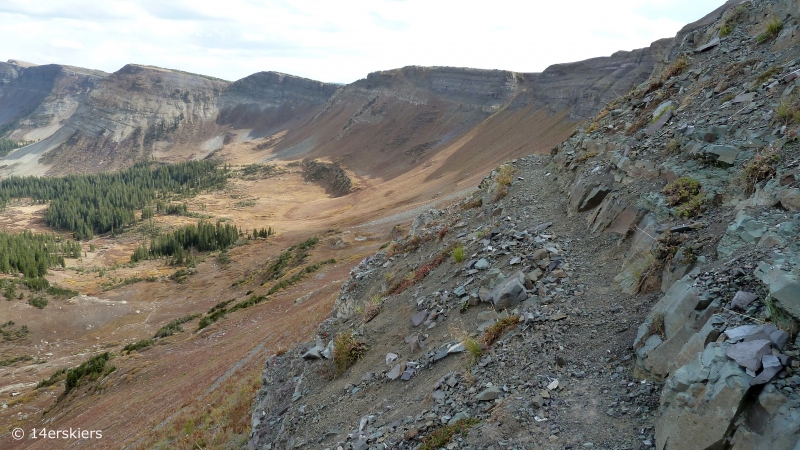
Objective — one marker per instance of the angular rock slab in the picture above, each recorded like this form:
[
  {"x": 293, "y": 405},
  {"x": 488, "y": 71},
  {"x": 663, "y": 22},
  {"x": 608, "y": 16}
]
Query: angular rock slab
[
  {"x": 488, "y": 394},
  {"x": 509, "y": 293},
  {"x": 749, "y": 354},
  {"x": 418, "y": 318},
  {"x": 783, "y": 286},
  {"x": 743, "y": 299},
  {"x": 773, "y": 422},
  {"x": 696, "y": 412}
]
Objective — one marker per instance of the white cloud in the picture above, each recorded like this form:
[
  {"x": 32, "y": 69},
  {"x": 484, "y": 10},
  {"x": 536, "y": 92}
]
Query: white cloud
[{"x": 335, "y": 41}]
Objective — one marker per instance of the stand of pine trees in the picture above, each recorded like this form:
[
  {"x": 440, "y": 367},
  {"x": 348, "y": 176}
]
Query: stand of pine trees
[
  {"x": 202, "y": 237},
  {"x": 32, "y": 254},
  {"x": 99, "y": 203}
]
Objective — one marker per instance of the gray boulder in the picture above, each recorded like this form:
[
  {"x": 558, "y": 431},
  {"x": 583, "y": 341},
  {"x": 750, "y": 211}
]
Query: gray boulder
[
  {"x": 509, "y": 293},
  {"x": 700, "y": 400}
]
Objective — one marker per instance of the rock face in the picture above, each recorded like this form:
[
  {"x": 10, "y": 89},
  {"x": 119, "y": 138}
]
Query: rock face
[{"x": 109, "y": 121}]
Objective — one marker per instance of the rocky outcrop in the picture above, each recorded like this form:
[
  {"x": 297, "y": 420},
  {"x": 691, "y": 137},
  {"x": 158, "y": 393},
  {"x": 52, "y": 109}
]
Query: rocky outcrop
[{"x": 330, "y": 175}]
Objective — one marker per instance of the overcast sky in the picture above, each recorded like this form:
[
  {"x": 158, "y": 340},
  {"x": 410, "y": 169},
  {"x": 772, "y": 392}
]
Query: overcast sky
[{"x": 336, "y": 41}]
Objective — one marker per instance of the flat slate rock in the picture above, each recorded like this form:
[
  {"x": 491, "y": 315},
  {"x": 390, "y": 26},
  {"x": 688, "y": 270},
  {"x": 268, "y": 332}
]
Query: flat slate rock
[
  {"x": 749, "y": 354},
  {"x": 744, "y": 98},
  {"x": 711, "y": 44},
  {"x": 659, "y": 124},
  {"x": 488, "y": 394},
  {"x": 394, "y": 373},
  {"x": 418, "y": 318}
]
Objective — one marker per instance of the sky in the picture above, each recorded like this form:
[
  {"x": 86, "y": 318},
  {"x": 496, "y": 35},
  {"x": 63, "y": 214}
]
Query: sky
[{"x": 333, "y": 41}]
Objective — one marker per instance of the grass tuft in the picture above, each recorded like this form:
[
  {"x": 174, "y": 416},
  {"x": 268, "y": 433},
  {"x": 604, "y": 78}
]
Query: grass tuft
[
  {"x": 372, "y": 308},
  {"x": 774, "y": 26},
  {"x": 761, "y": 168},
  {"x": 458, "y": 254},
  {"x": 347, "y": 350},
  {"x": 442, "y": 436},
  {"x": 498, "y": 329}
]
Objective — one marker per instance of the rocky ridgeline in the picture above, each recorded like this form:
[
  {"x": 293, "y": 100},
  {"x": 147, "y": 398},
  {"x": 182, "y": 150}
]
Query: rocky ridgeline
[{"x": 649, "y": 268}]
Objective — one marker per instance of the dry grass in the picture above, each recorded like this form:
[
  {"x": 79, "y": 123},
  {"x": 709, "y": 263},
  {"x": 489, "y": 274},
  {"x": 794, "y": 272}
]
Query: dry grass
[
  {"x": 761, "y": 168},
  {"x": 347, "y": 350},
  {"x": 442, "y": 436},
  {"x": 498, "y": 329},
  {"x": 585, "y": 157},
  {"x": 504, "y": 179},
  {"x": 474, "y": 350},
  {"x": 673, "y": 145},
  {"x": 418, "y": 275},
  {"x": 372, "y": 308},
  {"x": 458, "y": 254},
  {"x": 220, "y": 421},
  {"x": 767, "y": 74},
  {"x": 476, "y": 202}
]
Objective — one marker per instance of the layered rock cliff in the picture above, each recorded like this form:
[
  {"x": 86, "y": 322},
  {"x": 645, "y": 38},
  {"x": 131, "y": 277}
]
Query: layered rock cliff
[{"x": 384, "y": 122}]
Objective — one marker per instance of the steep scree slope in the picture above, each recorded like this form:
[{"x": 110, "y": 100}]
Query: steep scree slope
[{"x": 647, "y": 270}]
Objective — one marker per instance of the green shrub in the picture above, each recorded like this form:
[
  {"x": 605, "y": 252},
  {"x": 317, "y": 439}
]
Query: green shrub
[
  {"x": 89, "y": 370},
  {"x": 58, "y": 292},
  {"x": 10, "y": 361},
  {"x": 681, "y": 190},
  {"x": 36, "y": 284},
  {"x": 144, "y": 343},
  {"x": 54, "y": 378},
  {"x": 38, "y": 302},
  {"x": 441, "y": 437},
  {"x": 175, "y": 326}
]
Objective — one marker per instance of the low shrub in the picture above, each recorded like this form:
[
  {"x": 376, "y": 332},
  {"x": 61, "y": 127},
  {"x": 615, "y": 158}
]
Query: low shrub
[
  {"x": 135, "y": 347},
  {"x": 347, "y": 350},
  {"x": 38, "y": 302},
  {"x": 89, "y": 370},
  {"x": 681, "y": 190}
]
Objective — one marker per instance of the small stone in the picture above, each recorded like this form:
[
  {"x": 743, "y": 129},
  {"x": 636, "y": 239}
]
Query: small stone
[
  {"x": 394, "y": 373},
  {"x": 390, "y": 358},
  {"x": 743, "y": 299},
  {"x": 558, "y": 316},
  {"x": 553, "y": 385},
  {"x": 411, "y": 434},
  {"x": 780, "y": 338},
  {"x": 482, "y": 264}
]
